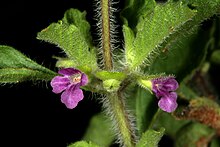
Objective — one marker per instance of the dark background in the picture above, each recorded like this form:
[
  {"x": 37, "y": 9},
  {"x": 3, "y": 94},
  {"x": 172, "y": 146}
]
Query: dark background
[{"x": 31, "y": 115}]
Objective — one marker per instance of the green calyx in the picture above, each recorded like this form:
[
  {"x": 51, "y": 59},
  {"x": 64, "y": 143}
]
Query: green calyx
[
  {"x": 106, "y": 75},
  {"x": 111, "y": 85},
  {"x": 147, "y": 84},
  {"x": 111, "y": 80}
]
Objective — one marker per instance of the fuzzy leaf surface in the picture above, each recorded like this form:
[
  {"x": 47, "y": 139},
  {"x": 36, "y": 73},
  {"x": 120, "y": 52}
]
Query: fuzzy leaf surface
[
  {"x": 151, "y": 138},
  {"x": 72, "y": 36},
  {"x": 16, "y": 67},
  {"x": 135, "y": 9},
  {"x": 77, "y": 18},
  {"x": 178, "y": 60},
  {"x": 179, "y": 50},
  {"x": 153, "y": 29}
]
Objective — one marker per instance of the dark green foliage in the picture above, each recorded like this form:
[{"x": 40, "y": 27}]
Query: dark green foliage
[{"x": 15, "y": 67}]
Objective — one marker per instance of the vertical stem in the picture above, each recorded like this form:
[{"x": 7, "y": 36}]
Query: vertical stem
[
  {"x": 121, "y": 120},
  {"x": 106, "y": 36},
  {"x": 114, "y": 103}
]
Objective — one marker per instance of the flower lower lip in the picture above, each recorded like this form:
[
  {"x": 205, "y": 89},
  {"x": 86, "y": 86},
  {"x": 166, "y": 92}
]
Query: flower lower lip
[
  {"x": 69, "y": 85},
  {"x": 164, "y": 90}
]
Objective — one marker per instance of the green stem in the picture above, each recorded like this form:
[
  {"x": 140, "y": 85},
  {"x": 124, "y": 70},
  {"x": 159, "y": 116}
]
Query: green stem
[
  {"x": 154, "y": 118},
  {"x": 106, "y": 36},
  {"x": 121, "y": 120}
]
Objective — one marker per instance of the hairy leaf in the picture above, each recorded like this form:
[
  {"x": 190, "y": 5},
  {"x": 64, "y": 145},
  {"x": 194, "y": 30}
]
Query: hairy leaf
[
  {"x": 15, "y": 67},
  {"x": 151, "y": 138},
  {"x": 135, "y": 9},
  {"x": 153, "y": 29},
  {"x": 71, "y": 35},
  {"x": 181, "y": 48},
  {"x": 77, "y": 18},
  {"x": 177, "y": 56}
]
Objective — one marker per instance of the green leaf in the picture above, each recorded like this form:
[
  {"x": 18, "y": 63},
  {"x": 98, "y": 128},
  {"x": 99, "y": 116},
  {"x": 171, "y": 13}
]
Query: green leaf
[
  {"x": 15, "y": 67},
  {"x": 180, "y": 48},
  {"x": 77, "y": 18},
  {"x": 106, "y": 75},
  {"x": 215, "y": 57},
  {"x": 153, "y": 30},
  {"x": 72, "y": 37},
  {"x": 171, "y": 125},
  {"x": 83, "y": 144},
  {"x": 186, "y": 92},
  {"x": 151, "y": 138},
  {"x": 135, "y": 9},
  {"x": 128, "y": 39},
  {"x": 178, "y": 59},
  {"x": 99, "y": 131},
  {"x": 144, "y": 105},
  {"x": 194, "y": 135},
  {"x": 66, "y": 63},
  {"x": 205, "y": 8}
]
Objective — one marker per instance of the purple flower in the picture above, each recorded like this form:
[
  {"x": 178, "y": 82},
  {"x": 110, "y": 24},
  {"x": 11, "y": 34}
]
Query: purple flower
[
  {"x": 70, "y": 83},
  {"x": 164, "y": 90}
]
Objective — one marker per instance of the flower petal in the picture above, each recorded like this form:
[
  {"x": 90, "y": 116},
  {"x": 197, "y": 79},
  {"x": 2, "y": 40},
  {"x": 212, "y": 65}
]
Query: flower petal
[
  {"x": 162, "y": 86},
  {"x": 84, "y": 79},
  {"x": 71, "y": 96},
  {"x": 168, "y": 103},
  {"x": 160, "y": 92},
  {"x": 59, "y": 84},
  {"x": 171, "y": 84},
  {"x": 68, "y": 71}
]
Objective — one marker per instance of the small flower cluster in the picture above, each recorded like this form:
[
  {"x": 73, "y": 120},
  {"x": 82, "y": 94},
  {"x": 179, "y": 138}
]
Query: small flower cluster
[
  {"x": 70, "y": 83},
  {"x": 71, "y": 80},
  {"x": 164, "y": 90}
]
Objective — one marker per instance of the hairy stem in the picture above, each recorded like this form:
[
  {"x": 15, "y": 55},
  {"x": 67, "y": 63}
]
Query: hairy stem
[
  {"x": 114, "y": 103},
  {"x": 121, "y": 120},
  {"x": 106, "y": 36}
]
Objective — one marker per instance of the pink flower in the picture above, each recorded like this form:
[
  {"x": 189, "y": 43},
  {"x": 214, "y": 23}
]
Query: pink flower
[
  {"x": 69, "y": 84},
  {"x": 164, "y": 90}
]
